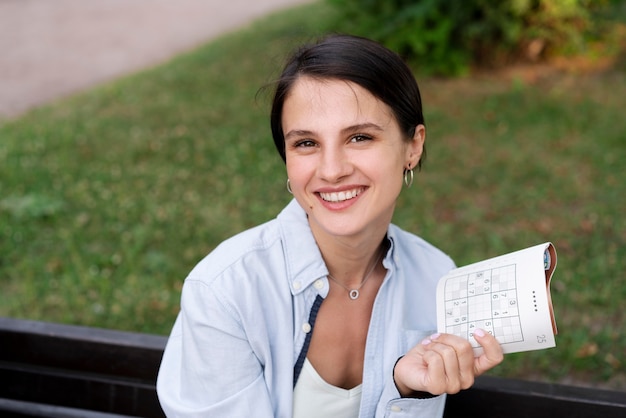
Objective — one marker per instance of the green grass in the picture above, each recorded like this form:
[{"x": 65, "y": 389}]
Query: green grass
[{"x": 109, "y": 198}]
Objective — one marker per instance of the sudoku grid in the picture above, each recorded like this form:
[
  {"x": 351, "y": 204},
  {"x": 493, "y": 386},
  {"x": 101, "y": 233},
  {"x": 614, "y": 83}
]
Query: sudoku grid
[{"x": 487, "y": 300}]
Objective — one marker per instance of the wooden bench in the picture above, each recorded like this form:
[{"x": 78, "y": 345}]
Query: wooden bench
[{"x": 53, "y": 370}]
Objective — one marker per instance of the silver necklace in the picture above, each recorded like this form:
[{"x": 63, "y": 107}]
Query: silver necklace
[{"x": 354, "y": 293}]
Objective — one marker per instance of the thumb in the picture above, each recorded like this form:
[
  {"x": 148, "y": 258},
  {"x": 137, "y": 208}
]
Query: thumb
[{"x": 492, "y": 352}]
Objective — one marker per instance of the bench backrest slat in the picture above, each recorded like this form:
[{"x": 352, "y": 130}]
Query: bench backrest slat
[
  {"x": 114, "y": 372},
  {"x": 80, "y": 367}
]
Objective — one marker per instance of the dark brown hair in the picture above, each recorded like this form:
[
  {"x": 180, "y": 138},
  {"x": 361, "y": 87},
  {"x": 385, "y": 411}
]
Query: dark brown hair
[{"x": 359, "y": 60}]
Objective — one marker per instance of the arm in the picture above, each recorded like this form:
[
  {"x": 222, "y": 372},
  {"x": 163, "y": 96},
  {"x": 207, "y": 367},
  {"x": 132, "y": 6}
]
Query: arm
[{"x": 209, "y": 368}]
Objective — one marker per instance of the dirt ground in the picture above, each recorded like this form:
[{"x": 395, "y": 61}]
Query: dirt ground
[{"x": 52, "y": 49}]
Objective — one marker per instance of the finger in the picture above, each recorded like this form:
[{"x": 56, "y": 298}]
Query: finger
[
  {"x": 435, "y": 380},
  {"x": 458, "y": 359},
  {"x": 421, "y": 370},
  {"x": 461, "y": 346},
  {"x": 492, "y": 352}
]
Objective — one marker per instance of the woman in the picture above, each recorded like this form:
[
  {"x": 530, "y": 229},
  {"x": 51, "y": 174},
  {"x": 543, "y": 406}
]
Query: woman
[{"x": 329, "y": 309}]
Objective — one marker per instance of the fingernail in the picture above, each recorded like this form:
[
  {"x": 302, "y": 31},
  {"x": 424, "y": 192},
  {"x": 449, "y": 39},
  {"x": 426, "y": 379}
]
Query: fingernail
[
  {"x": 479, "y": 332},
  {"x": 426, "y": 341},
  {"x": 435, "y": 336}
]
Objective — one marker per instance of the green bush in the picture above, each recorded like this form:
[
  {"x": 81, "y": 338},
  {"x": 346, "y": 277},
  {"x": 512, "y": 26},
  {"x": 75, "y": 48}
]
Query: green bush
[{"x": 447, "y": 37}]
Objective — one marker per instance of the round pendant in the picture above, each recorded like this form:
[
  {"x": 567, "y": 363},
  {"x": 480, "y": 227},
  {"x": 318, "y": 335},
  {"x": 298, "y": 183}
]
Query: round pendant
[{"x": 354, "y": 294}]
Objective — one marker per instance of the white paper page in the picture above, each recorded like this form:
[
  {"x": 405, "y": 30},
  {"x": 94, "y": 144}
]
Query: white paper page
[{"x": 506, "y": 296}]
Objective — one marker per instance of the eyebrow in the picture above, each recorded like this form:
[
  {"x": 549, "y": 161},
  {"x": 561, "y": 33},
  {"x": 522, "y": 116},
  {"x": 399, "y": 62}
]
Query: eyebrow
[{"x": 349, "y": 129}]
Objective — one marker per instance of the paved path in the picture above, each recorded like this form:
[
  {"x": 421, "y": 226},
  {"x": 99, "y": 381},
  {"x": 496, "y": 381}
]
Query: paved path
[{"x": 53, "y": 48}]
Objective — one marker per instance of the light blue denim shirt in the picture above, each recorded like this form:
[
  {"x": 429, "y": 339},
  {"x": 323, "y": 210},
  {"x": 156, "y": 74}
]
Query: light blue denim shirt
[{"x": 248, "y": 307}]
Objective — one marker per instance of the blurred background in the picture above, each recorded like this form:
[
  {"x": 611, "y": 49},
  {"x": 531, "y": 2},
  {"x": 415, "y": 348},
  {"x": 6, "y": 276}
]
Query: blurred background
[{"x": 134, "y": 137}]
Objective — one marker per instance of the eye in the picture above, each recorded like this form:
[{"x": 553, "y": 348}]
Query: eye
[
  {"x": 360, "y": 138},
  {"x": 304, "y": 143}
]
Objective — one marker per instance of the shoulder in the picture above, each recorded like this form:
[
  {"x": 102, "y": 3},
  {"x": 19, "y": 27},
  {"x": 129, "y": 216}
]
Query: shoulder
[
  {"x": 261, "y": 251},
  {"x": 237, "y": 278},
  {"x": 251, "y": 247}
]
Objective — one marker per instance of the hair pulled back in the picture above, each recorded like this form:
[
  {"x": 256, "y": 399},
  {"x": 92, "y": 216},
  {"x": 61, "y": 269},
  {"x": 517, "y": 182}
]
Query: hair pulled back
[{"x": 359, "y": 60}]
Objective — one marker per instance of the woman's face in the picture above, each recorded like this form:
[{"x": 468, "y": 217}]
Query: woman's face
[{"x": 345, "y": 156}]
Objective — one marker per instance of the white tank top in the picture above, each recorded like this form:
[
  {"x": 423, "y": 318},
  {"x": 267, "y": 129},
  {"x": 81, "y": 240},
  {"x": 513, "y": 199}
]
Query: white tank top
[{"x": 314, "y": 398}]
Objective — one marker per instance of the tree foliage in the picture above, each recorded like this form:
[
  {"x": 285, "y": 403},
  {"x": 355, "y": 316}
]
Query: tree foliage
[{"x": 447, "y": 37}]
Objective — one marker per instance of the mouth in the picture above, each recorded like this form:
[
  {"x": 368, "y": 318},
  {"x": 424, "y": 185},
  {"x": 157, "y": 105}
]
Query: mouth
[{"x": 336, "y": 197}]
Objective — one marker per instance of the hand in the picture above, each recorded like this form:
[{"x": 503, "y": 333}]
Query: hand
[{"x": 445, "y": 363}]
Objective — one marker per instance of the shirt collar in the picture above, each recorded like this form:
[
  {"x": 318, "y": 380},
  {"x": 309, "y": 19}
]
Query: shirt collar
[
  {"x": 304, "y": 260},
  {"x": 303, "y": 257}
]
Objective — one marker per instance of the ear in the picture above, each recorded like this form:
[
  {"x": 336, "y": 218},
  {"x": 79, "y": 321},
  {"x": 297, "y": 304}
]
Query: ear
[{"x": 415, "y": 148}]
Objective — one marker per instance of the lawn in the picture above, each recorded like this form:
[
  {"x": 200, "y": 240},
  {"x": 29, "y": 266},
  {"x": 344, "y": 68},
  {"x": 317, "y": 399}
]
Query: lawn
[{"x": 109, "y": 198}]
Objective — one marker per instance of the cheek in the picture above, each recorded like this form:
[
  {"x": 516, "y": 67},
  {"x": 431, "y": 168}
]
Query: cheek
[
  {"x": 298, "y": 170},
  {"x": 391, "y": 160},
  {"x": 393, "y": 172},
  {"x": 291, "y": 168}
]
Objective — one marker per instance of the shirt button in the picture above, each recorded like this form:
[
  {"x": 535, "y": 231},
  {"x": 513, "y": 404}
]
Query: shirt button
[
  {"x": 297, "y": 285},
  {"x": 318, "y": 284},
  {"x": 306, "y": 327},
  {"x": 396, "y": 408}
]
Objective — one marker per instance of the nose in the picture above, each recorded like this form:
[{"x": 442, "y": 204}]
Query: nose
[{"x": 334, "y": 164}]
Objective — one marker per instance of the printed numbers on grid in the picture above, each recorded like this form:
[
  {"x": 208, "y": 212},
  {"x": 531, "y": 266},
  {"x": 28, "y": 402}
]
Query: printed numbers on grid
[{"x": 487, "y": 300}]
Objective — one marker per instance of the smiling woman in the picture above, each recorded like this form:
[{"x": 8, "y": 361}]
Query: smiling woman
[{"x": 328, "y": 310}]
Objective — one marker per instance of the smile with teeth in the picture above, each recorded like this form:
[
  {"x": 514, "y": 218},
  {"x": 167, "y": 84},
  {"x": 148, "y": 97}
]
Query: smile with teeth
[{"x": 341, "y": 196}]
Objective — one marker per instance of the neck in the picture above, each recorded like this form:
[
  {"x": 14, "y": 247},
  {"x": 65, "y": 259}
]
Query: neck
[
  {"x": 350, "y": 266},
  {"x": 349, "y": 257}
]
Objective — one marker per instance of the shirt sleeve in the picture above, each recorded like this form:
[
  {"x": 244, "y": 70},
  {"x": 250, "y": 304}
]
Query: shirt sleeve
[
  {"x": 208, "y": 367},
  {"x": 392, "y": 405}
]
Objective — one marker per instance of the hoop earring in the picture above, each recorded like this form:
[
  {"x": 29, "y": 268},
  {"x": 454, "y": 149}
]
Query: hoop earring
[
  {"x": 289, "y": 187},
  {"x": 408, "y": 176}
]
